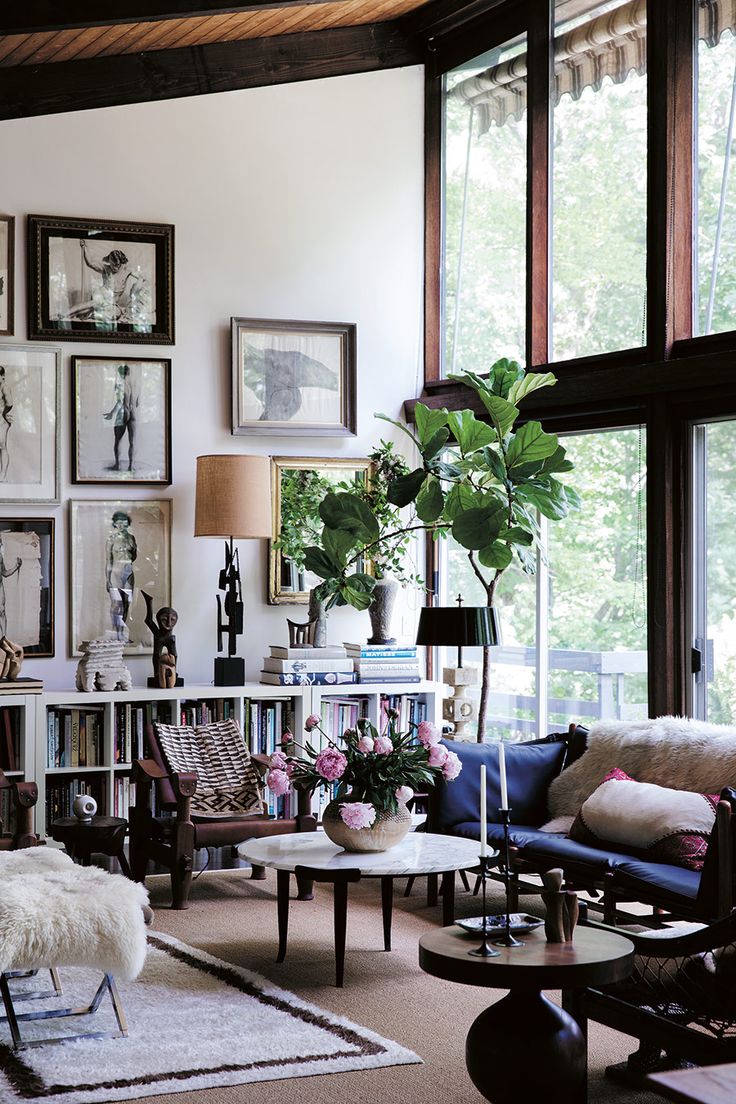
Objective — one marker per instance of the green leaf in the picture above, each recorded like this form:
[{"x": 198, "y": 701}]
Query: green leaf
[
  {"x": 430, "y": 500},
  {"x": 503, "y": 375},
  {"x": 469, "y": 433},
  {"x": 436, "y": 443},
  {"x": 399, "y": 425},
  {"x": 532, "y": 381},
  {"x": 530, "y": 442},
  {"x": 320, "y": 562},
  {"x": 546, "y": 500},
  {"x": 503, "y": 413},
  {"x": 557, "y": 462},
  {"x": 497, "y": 555},
  {"x": 478, "y": 528},
  {"x": 405, "y": 489},
  {"x": 337, "y": 543},
  {"x": 355, "y": 597},
  {"x": 494, "y": 461},
  {"x": 428, "y": 422},
  {"x": 347, "y": 511},
  {"x": 461, "y": 497},
  {"x": 516, "y": 535},
  {"x": 448, "y": 471},
  {"x": 361, "y": 581}
]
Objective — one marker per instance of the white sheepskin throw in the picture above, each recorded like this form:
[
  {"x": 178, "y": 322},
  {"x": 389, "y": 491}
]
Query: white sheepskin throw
[
  {"x": 668, "y": 751},
  {"x": 56, "y": 913}
]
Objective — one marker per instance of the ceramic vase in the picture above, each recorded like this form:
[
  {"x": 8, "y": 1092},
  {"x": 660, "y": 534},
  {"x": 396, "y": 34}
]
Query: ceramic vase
[
  {"x": 387, "y": 830},
  {"x": 318, "y": 613},
  {"x": 381, "y": 610}
]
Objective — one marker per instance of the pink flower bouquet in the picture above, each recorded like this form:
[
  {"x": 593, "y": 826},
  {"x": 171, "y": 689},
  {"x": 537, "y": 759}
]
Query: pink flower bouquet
[{"x": 374, "y": 772}]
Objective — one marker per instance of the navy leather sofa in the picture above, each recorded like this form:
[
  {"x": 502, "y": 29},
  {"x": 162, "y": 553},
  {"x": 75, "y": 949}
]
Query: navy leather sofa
[{"x": 530, "y": 769}]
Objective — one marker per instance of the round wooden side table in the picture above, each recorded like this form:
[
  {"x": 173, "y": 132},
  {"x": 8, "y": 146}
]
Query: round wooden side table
[
  {"x": 101, "y": 835},
  {"x": 524, "y": 1045}
]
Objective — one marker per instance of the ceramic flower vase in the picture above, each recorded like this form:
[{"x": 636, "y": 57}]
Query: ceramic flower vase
[
  {"x": 318, "y": 613},
  {"x": 381, "y": 610},
  {"x": 387, "y": 830}
]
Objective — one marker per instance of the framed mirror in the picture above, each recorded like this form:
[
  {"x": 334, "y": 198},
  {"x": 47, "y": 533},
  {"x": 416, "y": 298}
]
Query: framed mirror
[{"x": 299, "y": 483}]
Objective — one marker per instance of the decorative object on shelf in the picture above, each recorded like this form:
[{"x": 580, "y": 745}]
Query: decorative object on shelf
[
  {"x": 7, "y": 275},
  {"x": 164, "y": 644},
  {"x": 293, "y": 377},
  {"x": 121, "y": 420},
  {"x": 562, "y": 908},
  {"x": 30, "y": 398},
  {"x": 233, "y": 501},
  {"x": 91, "y": 280},
  {"x": 115, "y": 548},
  {"x": 381, "y": 610},
  {"x": 484, "y": 950},
  {"x": 11, "y": 659},
  {"x": 371, "y": 775},
  {"x": 318, "y": 617},
  {"x": 298, "y": 485},
  {"x": 84, "y": 807},
  {"x": 484, "y": 489},
  {"x": 518, "y": 922},
  {"x": 461, "y": 626},
  {"x": 101, "y": 666},
  {"x": 301, "y": 633},
  {"x": 27, "y": 584}
]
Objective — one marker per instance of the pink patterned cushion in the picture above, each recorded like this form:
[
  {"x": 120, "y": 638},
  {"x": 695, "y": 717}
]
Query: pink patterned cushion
[{"x": 666, "y": 826}]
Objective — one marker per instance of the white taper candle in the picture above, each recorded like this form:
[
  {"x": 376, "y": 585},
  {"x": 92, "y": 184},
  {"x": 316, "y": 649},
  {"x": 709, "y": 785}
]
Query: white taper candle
[
  {"x": 483, "y": 816},
  {"x": 502, "y": 775}
]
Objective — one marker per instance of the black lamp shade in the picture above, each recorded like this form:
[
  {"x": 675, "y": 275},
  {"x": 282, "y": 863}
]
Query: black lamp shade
[{"x": 461, "y": 626}]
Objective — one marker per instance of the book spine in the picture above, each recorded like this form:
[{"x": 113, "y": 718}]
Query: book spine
[
  {"x": 387, "y": 653},
  {"x": 389, "y": 678},
  {"x": 314, "y": 678}
]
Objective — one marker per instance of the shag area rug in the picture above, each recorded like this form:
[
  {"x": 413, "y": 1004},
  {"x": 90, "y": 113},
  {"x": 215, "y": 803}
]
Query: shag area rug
[{"x": 195, "y": 1022}]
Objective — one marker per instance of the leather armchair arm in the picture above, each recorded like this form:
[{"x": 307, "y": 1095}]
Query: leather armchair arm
[{"x": 706, "y": 937}]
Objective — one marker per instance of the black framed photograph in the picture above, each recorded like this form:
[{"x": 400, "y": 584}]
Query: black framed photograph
[
  {"x": 93, "y": 280},
  {"x": 30, "y": 391},
  {"x": 295, "y": 378},
  {"x": 119, "y": 550},
  {"x": 121, "y": 420},
  {"x": 27, "y": 583},
  {"x": 7, "y": 275}
]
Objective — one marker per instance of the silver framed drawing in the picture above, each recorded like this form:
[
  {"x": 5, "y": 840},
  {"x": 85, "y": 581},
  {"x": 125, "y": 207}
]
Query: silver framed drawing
[
  {"x": 27, "y": 583},
  {"x": 7, "y": 275},
  {"x": 121, "y": 420},
  {"x": 119, "y": 549},
  {"x": 295, "y": 378},
  {"x": 94, "y": 279},
  {"x": 29, "y": 423}
]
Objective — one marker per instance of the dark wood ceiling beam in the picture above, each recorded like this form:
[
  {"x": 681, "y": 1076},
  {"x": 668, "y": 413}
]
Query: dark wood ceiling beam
[
  {"x": 27, "y": 90},
  {"x": 34, "y": 16}
]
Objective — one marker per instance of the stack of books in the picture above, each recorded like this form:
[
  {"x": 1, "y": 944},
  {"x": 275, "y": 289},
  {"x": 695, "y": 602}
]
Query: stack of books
[
  {"x": 21, "y": 686},
  {"x": 384, "y": 662},
  {"x": 307, "y": 666}
]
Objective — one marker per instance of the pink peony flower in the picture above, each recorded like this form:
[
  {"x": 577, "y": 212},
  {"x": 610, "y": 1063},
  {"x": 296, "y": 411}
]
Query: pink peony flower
[
  {"x": 437, "y": 755},
  {"x": 287, "y": 737},
  {"x": 350, "y": 734},
  {"x": 383, "y": 746},
  {"x": 451, "y": 766},
  {"x": 365, "y": 744},
  {"x": 428, "y": 734},
  {"x": 311, "y": 722},
  {"x": 278, "y": 782},
  {"x": 331, "y": 764},
  {"x": 357, "y": 814},
  {"x": 278, "y": 761},
  {"x": 404, "y": 794}
]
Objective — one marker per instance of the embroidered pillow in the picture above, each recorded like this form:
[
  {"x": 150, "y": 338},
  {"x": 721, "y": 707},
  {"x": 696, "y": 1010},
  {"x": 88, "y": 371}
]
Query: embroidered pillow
[
  {"x": 667, "y": 826},
  {"x": 227, "y": 781}
]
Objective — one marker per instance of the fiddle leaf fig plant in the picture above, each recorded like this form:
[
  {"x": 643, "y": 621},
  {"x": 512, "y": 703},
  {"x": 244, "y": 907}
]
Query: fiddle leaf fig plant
[{"x": 482, "y": 481}]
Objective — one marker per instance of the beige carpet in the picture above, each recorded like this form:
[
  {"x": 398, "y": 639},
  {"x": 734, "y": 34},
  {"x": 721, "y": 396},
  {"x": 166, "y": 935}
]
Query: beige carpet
[{"x": 234, "y": 918}]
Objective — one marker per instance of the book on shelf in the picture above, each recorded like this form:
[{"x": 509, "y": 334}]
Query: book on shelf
[
  {"x": 21, "y": 686},
  {"x": 60, "y": 794},
  {"x": 365, "y": 680},
  {"x": 310, "y": 678},
  {"x": 9, "y": 740},
  {"x": 74, "y": 737},
  {"x": 409, "y": 666},
  {"x": 381, "y": 651},
  {"x": 264, "y": 723},
  {"x": 411, "y": 708},
  {"x": 331, "y": 651},
  {"x": 306, "y": 666}
]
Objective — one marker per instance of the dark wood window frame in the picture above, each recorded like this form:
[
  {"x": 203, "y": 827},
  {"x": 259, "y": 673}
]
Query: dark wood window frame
[{"x": 672, "y": 380}]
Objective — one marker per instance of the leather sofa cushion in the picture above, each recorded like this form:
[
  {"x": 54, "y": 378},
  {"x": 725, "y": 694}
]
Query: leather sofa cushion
[
  {"x": 530, "y": 768},
  {"x": 548, "y": 849},
  {"x": 665, "y": 881}
]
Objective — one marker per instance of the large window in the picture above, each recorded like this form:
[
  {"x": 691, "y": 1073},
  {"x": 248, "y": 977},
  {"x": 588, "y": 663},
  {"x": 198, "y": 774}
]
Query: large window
[
  {"x": 485, "y": 212},
  {"x": 573, "y": 636}
]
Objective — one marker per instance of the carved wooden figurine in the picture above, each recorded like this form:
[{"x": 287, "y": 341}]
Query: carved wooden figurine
[
  {"x": 164, "y": 645},
  {"x": 11, "y": 659},
  {"x": 562, "y": 908}
]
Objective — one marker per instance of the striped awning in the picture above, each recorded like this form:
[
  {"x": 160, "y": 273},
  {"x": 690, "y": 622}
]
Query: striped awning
[{"x": 610, "y": 45}]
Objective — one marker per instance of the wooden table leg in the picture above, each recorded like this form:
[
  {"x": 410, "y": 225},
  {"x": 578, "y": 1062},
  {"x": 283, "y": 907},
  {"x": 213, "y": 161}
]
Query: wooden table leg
[
  {"x": 282, "y": 900},
  {"x": 448, "y": 898},
  {"x": 341, "y": 923},
  {"x": 124, "y": 866},
  {"x": 432, "y": 882},
  {"x": 387, "y": 904}
]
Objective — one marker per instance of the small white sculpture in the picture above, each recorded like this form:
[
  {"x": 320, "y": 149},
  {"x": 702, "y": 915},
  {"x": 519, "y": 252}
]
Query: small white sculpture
[
  {"x": 101, "y": 666},
  {"x": 84, "y": 807}
]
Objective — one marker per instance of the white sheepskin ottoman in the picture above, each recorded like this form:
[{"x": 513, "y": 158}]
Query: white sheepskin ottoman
[{"x": 56, "y": 913}]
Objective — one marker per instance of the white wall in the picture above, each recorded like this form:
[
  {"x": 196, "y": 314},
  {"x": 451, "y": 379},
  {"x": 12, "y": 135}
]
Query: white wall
[{"x": 299, "y": 201}]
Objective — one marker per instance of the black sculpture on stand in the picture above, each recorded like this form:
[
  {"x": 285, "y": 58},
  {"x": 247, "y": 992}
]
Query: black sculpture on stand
[{"x": 230, "y": 670}]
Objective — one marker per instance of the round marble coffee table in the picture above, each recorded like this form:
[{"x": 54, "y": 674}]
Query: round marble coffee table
[{"x": 311, "y": 855}]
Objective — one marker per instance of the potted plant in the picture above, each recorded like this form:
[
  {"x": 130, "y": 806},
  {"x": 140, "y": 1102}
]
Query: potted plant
[{"x": 481, "y": 481}]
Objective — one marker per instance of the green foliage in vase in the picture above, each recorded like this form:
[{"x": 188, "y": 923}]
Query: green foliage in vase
[{"x": 302, "y": 490}]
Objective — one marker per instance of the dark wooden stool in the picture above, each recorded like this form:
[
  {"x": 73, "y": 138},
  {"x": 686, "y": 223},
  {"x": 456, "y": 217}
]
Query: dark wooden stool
[{"x": 102, "y": 835}]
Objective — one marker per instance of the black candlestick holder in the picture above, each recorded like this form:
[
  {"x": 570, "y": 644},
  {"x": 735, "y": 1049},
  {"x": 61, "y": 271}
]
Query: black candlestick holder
[
  {"x": 485, "y": 951},
  {"x": 507, "y": 939}
]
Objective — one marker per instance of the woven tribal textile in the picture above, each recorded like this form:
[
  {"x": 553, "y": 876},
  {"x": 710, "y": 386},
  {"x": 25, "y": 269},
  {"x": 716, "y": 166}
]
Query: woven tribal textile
[{"x": 227, "y": 781}]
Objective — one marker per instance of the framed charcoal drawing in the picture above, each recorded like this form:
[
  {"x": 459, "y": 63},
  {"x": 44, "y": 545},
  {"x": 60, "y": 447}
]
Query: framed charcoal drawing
[
  {"x": 7, "y": 275},
  {"x": 118, "y": 549},
  {"x": 295, "y": 378},
  {"x": 27, "y": 584},
  {"x": 121, "y": 420},
  {"x": 29, "y": 423},
  {"x": 97, "y": 280}
]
